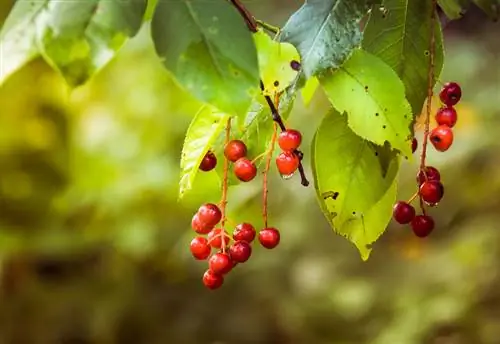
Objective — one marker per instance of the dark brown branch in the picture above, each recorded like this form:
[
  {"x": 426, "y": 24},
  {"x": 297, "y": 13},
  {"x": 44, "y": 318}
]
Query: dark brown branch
[{"x": 247, "y": 16}]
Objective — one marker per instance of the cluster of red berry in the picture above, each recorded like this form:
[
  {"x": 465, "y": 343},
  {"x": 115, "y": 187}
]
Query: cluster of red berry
[
  {"x": 430, "y": 188},
  {"x": 288, "y": 160}
]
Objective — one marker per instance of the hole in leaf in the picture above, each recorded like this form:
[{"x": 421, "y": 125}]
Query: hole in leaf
[{"x": 276, "y": 83}]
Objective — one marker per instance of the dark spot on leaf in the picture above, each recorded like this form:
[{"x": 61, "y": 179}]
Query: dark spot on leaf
[
  {"x": 376, "y": 153},
  {"x": 385, "y": 110},
  {"x": 376, "y": 114},
  {"x": 236, "y": 73},
  {"x": 354, "y": 213},
  {"x": 406, "y": 157},
  {"x": 369, "y": 246},
  {"x": 383, "y": 127},
  {"x": 276, "y": 83},
  {"x": 406, "y": 116},
  {"x": 397, "y": 134},
  {"x": 295, "y": 65},
  {"x": 366, "y": 88},
  {"x": 331, "y": 194},
  {"x": 427, "y": 53}
]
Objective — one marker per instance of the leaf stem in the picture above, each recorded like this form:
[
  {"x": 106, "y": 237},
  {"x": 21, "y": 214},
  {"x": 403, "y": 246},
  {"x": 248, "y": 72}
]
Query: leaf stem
[
  {"x": 247, "y": 16},
  {"x": 271, "y": 28},
  {"x": 265, "y": 189},
  {"x": 223, "y": 202}
]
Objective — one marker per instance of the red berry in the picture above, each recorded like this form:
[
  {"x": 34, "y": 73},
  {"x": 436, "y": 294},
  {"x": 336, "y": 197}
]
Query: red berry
[
  {"x": 234, "y": 150},
  {"x": 245, "y": 169},
  {"x": 220, "y": 263},
  {"x": 215, "y": 238},
  {"x": 208, "y": 162},
  {"x": 414, "y": 145},
  {"x": 451, "y": 93},
  {"x": 240, "y": 251},
  {"x": 429, "y": 173},
  {"x": 289, "y": 140},
  {"x": 199, "y": 226},
  {"x": 422, "y": 225},
  {"x": 447, "y": 116},
  {"x": 287, "y": 163},
  {"x": 431, "y": 191},
  {"x": 269, "y": 237},
  {"x": 403, "y": 212},
  {"x": 244, "y": 232},
  {"x": 209, "y": 214},
  {"x": 199, "y": 248},
  {"x": 212, "y": 280},
  {"x": 441, "y": 138}
]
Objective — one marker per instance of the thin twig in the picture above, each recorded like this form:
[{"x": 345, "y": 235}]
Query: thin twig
[
  {"x": 268, "y": 27},
  {"x": 247, "y": 16},
  {"x": 266, "y": 170}
]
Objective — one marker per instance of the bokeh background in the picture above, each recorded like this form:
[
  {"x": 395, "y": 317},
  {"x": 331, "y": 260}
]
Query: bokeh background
[{"x": 94, "y": 245}]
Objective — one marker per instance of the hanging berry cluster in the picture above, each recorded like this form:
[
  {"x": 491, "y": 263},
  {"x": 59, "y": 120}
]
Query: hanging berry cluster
[{"x": 430, "y": 189}]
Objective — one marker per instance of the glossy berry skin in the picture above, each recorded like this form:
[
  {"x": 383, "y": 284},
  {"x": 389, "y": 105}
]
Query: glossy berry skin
[
  {"x": 215, "y": 238},
  {"x": 212, "y": 280},
  {"x": 414, "y": 145},
  {"x": 244, "y": 232},
  {"x": 208, "y": 162},
  {"x": 287, "y": 163},
  {"x": 451, "y": 93},
  {"x": 403, "y": 212},
  {"x": 234, "y": 150},
  {"x": 220, "y": 263},
  {"x": 431, "y": 191},
  {"x": 447, "y": 116},
  {"x": 200, "y": 248},
  {"x": 289, "y": 140},
  {"x": 240, "y": 251},
  {"x": 199, "y": 226},
  {"x": 422, "y": 225},
  {"x": 430, "y": 173},
  {"x": 245, "y": 170},
  {"x": 269, "y": 237},
  {"x": 441, "y": 138},
  {"x": 209, "y": 214}
]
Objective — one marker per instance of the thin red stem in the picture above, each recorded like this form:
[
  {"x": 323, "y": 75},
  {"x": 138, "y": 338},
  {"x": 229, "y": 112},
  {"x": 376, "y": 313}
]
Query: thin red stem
[{"x": 223, "y": 202}]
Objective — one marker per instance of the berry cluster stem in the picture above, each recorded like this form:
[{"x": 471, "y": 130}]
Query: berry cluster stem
[
  {"x": 266, "y": 170},
  {"x": 223, "y": 202}
]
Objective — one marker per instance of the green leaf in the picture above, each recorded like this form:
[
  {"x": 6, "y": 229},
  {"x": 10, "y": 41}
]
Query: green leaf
[
  {"x": 209, "y": 50},
  {"x": 203, "y": 131},
  {"x": 400, "y": 36},
  {"x": 75, "y": 37},
  {"x": 490, "y": 7},
  {"x": 355, "y": 191},
  {"x": 325, "y": 32},
  {"x": 309, "y": 90},
  {"x": 454, "y": 9},
  {"x": 374, "y": 98}
]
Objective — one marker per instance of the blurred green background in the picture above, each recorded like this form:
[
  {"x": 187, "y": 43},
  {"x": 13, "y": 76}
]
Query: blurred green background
[{"x": 94, "y": 245}]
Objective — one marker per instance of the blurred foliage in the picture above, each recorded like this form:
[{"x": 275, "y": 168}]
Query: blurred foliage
[{"x": 94, "y": 245}]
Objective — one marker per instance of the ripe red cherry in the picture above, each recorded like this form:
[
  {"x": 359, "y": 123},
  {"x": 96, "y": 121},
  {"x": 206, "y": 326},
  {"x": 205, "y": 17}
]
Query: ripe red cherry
[
  {"x": 451, "y": 93},
  {"x": 208, "y": 162},
  {"x": 269, "y": 237},
  {"x": 403, "y": 212},
  {"x": 234, "y": 150},
  {"x": 199, "y": 248},
  {"x": 287, "y": 163},
  {"x": 429, "y": 173},
  {"x": 441, "y": 138},
  {"x": 431, "y": 191},
  {"x": 289, "y": 140},
  {"x": 220, "y": 263},
  {"x": 212, "y": 280},
  {"x": 447, "y": 116},
  {"x": 199, "y": 226},
  {"x": 414, "y": 145},
  {"x": 209, "y": 214},
  {"x": 240, "y": 251},
  {"x": 215, "y": 238},
  {"x": 244, "y": 232},
  {"x": 422, "y": 225},
  {"x": 245, "y": 170}
]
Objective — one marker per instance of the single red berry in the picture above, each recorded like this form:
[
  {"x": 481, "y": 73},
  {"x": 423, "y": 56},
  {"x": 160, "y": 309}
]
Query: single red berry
[
  {"x": 220, "y": 263},
  {"x": 199, "y": 248},
  {"x": 441, "y": 138},
  {"x": 414, "y": 145},
  {"x": 215, "y": 238},
  {"x": 240, "y": 251},
  {"x": 422, "y": 225},
  {"x": 287, "y": 163},
  {"x": 244, "y": 232},
  {"x": 199, "y": 226},
  {"x": 451, "y": 93},
  {"x": 234, "y": 150},
  {"x": 209, "y": 214},
  {"x": 431, "y": 191},
  {"x": 429, "y": 173},
  {"x": 212, "y": 280},
  {"x": 403, "y": 212},
  {"x": 447, "y": 116},
  {"x": 245, "y": 169},
  {"x": 208, "y": 162},
  {"x": 269, "y": 237},
  {"x": 289, "y": 140}
]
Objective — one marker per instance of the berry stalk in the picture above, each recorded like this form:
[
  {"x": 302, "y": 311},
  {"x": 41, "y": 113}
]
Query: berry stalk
[
  {"x": 266, "y": 170},
  {"x": 223, "y": 202}
]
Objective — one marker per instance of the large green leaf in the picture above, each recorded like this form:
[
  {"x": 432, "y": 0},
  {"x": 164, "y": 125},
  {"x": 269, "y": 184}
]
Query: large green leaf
[
  {"x": 400, "y": 36},
  {"x": 325, "y": 32},
  {"x": 454, "y": 9},
  {"x": 76, "y": 37},
  {"x": 490, "y": 7},
  {"x": 374, "y": 98},
  {"x": 354, "y": 180},
  {"x": 209, "y": 50},
  {"x": 203, "y": 131}
]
